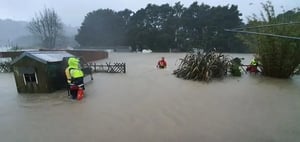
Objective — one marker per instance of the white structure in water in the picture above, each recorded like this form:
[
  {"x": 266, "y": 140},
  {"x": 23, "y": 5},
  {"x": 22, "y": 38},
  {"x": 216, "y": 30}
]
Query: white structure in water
[{"x": 146, "y": 51}]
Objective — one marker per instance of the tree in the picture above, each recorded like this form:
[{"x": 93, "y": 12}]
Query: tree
[
  {"x": 279, "y": 54},
  {"x": 203, "y": 27},
  {"x": 47, "y": 26},
  {"x": 103, "y": 27},
  {"x": 150, "y": 28},
  {"x": 163, "y": 27}
]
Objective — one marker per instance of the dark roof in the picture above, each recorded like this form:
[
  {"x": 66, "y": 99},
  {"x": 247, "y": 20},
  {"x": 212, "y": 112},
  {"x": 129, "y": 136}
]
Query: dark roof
[{"x": 44, "y": 56}]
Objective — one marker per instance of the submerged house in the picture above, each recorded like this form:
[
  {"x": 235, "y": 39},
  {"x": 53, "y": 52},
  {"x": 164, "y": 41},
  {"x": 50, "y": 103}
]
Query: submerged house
[{"x": 40, "y": 71}]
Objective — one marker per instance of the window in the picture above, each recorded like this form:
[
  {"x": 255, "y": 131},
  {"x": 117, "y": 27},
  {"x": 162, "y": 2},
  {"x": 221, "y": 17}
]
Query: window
[{"x": 30, "y": 78}]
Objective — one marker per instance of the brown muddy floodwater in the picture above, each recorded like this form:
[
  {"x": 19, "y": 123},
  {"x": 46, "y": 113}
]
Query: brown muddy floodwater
[{"x": 151, "y": 105}]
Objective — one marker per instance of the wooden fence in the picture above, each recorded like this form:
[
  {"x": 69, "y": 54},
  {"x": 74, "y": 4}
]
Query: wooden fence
[
  {"x": 5, "y": 67},
  {"x": 108, "y": 67}
]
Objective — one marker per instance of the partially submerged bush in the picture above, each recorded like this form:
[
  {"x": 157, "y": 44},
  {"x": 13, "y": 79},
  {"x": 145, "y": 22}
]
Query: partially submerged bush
[
  {"x": 279, "y": 57},
  {"x": 234, "y": 68},
  {"x": 203, "y": 66}
]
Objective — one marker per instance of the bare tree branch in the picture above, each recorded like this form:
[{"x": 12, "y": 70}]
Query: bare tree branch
[{"x": 47, "y": 26}]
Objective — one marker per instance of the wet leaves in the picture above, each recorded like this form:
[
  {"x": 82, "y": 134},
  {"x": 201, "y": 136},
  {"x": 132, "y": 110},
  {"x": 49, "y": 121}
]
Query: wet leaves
[{"x": 203, "y": 66}]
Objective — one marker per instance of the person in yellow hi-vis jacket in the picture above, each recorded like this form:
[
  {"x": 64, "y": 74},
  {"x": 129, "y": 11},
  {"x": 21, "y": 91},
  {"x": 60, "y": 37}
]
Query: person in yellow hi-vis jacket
[
  {"x": 74, "y": 76},
  {"x": 253, "y": 67}
]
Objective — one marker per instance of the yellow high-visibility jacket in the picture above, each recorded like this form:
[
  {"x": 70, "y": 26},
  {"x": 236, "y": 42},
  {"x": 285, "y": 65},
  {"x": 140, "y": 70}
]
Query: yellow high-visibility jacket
[{"x": 73, "y": 70}]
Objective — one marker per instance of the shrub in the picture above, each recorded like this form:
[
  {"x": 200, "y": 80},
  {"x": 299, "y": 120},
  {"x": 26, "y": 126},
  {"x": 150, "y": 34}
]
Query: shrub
[{"x": 203, "y": 66}]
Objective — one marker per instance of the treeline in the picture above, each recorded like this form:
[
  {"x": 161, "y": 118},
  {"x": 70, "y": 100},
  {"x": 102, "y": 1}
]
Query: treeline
[{"x": 164, "y": 27}]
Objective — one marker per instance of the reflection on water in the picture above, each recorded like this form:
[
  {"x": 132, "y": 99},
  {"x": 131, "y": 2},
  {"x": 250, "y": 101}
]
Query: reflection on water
[{"x": 147, "y": 104}]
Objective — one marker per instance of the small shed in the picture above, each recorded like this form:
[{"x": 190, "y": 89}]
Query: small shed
[{"x": 40, "y": 71}]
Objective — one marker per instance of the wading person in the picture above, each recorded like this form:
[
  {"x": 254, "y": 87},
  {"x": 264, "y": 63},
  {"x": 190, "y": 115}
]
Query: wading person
[
  {"x": 162, "y": 63},
  {"x": 74, "y": 76},
  {"x": 253, "y": 66}
]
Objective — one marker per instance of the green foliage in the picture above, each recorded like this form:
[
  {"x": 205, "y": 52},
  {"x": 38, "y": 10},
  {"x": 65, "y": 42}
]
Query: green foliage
[
  {"x": 153, "y": 28},
  {"x": 164, "y": 27},
  {"x": 279, "y": 56},
  {"x": 103, "y": 27},
  {"x": 203, "y": 66},
  {"x": 297, "y": 70},
  {"x": 234, "y": 68}
]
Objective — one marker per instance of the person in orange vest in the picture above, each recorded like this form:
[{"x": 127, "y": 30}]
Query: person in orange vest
[{"x": 162, "y": 63}]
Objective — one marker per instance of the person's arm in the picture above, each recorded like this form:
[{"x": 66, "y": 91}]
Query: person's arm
[
  {"x": 68, "y": 76},
  {"x": 157, "y": 65}
]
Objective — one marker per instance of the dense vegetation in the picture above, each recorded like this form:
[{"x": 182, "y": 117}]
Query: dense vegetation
[
  {"x": 103, "y": 27},
  {"x": 179, "y": 28},
  {"x": 278, "y": 49},
  {"x": 203, "y": 66},
  {"x": 164, "y": 27}
]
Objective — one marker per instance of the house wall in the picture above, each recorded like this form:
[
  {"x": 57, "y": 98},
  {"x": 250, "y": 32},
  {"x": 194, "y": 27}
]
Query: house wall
[
  {"x": 10, "y": 54},
  {"x": 43, "y": 85},
  {"x": 56, "y": 75}
]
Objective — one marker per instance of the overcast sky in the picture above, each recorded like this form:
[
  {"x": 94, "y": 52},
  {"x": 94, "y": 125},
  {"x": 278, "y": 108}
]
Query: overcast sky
[{"x": 72, "y": 12}]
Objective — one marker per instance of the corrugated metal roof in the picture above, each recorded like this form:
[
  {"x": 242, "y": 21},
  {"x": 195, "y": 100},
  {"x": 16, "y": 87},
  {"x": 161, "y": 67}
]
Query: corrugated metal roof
[
  {"x": 44, "y": 56},
  {"x": 51, "y": 56}
]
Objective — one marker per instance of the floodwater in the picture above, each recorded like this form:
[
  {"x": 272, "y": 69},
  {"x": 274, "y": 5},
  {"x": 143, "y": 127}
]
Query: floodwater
[{"x": 152, "y": 105}]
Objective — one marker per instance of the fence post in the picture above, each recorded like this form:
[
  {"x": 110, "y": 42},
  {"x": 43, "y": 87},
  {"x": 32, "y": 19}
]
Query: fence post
[
  {"x": 91, "y": 70},
  {"x": 124, "y": 66}
]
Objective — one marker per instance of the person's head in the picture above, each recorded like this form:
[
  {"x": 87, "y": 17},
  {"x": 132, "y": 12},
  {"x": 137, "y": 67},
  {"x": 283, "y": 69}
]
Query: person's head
[
  {"x": 162, "y": 58},
  {"x": 73, "y": 62}
]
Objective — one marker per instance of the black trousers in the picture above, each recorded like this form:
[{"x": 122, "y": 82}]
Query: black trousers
[{"x": 76, "y": 81}]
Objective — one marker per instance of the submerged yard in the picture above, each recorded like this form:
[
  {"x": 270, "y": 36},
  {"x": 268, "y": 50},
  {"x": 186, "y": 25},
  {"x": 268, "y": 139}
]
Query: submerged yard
[{"x": 151, "y": 105}]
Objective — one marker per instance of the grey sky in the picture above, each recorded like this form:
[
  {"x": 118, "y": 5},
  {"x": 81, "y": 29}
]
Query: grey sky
[{"x": 72, "y": 12}]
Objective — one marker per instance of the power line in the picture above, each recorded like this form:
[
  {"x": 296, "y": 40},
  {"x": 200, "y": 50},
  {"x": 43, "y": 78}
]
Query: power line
[
  {"x": 265, "y": 34},
  {"x": 242, "y": 30},
  {"x": 269, "y": 25}
]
